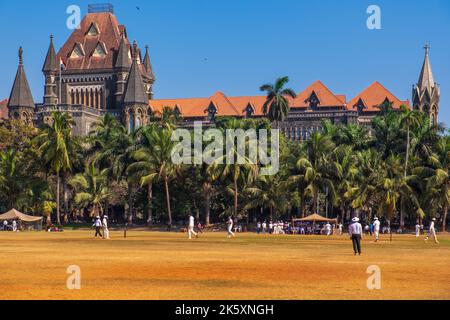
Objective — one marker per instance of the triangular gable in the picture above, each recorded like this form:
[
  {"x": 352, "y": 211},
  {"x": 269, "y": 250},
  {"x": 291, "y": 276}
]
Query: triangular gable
[
  {"x": 374, "y": 96},
  {"x": 320, "y": 92}
]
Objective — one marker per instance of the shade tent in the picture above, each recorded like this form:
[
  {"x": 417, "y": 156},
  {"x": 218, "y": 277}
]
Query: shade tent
[
  {"x": 316, "y": 218},
  {"x": 16, "y": 215}
]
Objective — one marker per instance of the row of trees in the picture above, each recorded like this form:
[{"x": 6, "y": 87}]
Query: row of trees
[{"x": 397, "y": 170}]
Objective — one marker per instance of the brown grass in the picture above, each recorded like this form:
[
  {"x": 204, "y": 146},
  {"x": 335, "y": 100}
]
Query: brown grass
[{"x": 168, "y": 266}]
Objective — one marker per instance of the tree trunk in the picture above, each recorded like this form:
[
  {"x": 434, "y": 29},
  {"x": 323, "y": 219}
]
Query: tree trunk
[
  {"x": 58, "y": 212},
  {"x": 316, "y": 201},
  {"x": 271, "y": 213},
  {"x": 149, "y": 204},
  {"x": 169, "y": 211},
  {"x": 303, "y": 204},
  {"x": 402, "y": 213},
  {"x": 65, "y": 198},
  {"x": 235, "y": 198},
  {"x": 130, "y": 203},
  {"x": 407, "y": 152},
  {"x": 207, "y": 196},
  {"x": 444, "y": 221}
]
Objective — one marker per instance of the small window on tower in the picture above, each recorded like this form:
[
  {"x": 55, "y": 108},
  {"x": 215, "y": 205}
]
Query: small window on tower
[
  {"x": 100, "y": 50},
  {"x": 93, "y": 30}
]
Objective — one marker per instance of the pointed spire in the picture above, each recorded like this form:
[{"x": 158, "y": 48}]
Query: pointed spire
[
  {"x": 148, "y": 66},
  {"x": 135, "y": 90},
  {"x": 21, "y": 94},
  {"x": 426, "y": 79},
  {"x": 123, "y": 59},
  {"x": 50, "y": 64}
]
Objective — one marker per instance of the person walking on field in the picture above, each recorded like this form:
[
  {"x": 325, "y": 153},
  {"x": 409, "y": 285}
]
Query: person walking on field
[
  {"x": 328, "y": 229},
  {"x": 230, "y": 228},
  {"x": 432, "y": 232},
  {"x": 105, "y": 228},
  {"x": 417, "y": 230},
  {"x": 98, "y": 225},
  {"x": 376, "y": 228},
  {"x": 355, "y": 230},
  {"x": 191, "y": 231}
]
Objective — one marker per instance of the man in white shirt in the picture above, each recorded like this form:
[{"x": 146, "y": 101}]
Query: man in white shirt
[
  {"x": 105, "y": 227},
  {"x": 264, "y": 227},
  {"x": 328, "y": 229},
  {"x": 355, "y": 230},
  {"x": 432, "y": 232},
  {"x": 191, "y": 231},
  {"x": 376, "y": 228},
  {"x": 98, "y": 225},
  {"x": 14, "y": 226},
  {"x": 230, "y": 228},
  {"x": 417, "y": 230}
]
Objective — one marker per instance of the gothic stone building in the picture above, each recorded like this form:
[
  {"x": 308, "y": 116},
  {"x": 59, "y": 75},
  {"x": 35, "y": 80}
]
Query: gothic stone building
[{"x": 104, "y": 73}]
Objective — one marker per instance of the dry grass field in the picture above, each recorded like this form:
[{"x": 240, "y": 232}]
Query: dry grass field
[{"x": 168, "y": 266}]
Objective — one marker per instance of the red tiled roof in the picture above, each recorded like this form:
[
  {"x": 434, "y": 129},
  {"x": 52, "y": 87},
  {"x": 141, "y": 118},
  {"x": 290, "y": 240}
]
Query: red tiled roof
[
  {"x": 374, "y": 96},
  {"x": 325, "y": 96},
  {"x": 109, "y": 35},
  {"x": 4, "y": 109},
  {"x": 236, "y": 106}
]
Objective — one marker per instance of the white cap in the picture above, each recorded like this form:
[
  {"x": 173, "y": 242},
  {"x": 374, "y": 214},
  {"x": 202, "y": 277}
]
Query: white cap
[
  {"x": 355, "y": 219},
  {"x": 375, "y": 218},
  {"x": 434, "y": 219}
]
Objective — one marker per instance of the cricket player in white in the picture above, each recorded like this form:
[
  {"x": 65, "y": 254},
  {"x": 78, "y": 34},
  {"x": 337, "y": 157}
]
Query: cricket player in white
[
  {"x": 376, "y": 229},
  {"x": 328, "y": 229},
  {"x": 417, "y": 230},
  {"x": 105, "y": 227},
  {"x": 191, "y": 231},
  {"x": 341, "y": 229},
  {"x": 432, "y": 232},
  {"x": 230, "y": 228}
]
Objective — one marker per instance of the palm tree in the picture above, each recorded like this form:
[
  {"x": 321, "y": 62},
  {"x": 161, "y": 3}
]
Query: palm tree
[
  {"x": 91, "y": 189},
  {"x": 277, "y": 104},
  {"x": 409, "y": 119},
  {"x": 161, "y": 161},
  {"x": 268, "y": 192},
  {"x": 438, "y": 181},
  {"x": 319, "y": 166},
  {"x": 144, "y": 165},
  {"x": 233, "y": 166},
  {"x": 58, "y": 149}
]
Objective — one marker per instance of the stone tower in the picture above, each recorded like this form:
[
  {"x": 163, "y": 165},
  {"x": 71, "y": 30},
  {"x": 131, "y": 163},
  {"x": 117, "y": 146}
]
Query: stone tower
[
  {"x": 135, "y": 101},
  {"x": 426, "y": 94},
  {"x": 21, "y": 104},
  {"x": 50, "y": 71}
]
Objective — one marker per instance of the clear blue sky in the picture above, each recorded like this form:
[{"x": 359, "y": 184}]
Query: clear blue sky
[{"x": 201, "y": 46}]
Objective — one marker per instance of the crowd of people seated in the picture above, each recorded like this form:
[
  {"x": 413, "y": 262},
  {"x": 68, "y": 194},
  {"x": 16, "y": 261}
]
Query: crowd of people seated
[
  {"x": 280, "y": 227},
  {"x": 14, "y": 226}
]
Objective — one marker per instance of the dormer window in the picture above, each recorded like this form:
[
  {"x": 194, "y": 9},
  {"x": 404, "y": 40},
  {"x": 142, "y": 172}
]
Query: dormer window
[
  {"x": 249, "y": 111},
  {"x": 77, "y": 52},
  {"x": 313, "y": 100},
  {"x": 100, "y": 51},
  {"x": 360, "y": 105},
  {"x": 93, "y": 30},
  {"x": 212, "y": 111}
]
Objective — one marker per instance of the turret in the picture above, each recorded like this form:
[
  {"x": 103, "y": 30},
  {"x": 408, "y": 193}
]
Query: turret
[
  {"x": 426, "y": 94},
  {"x": 21, "y": 104}
]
